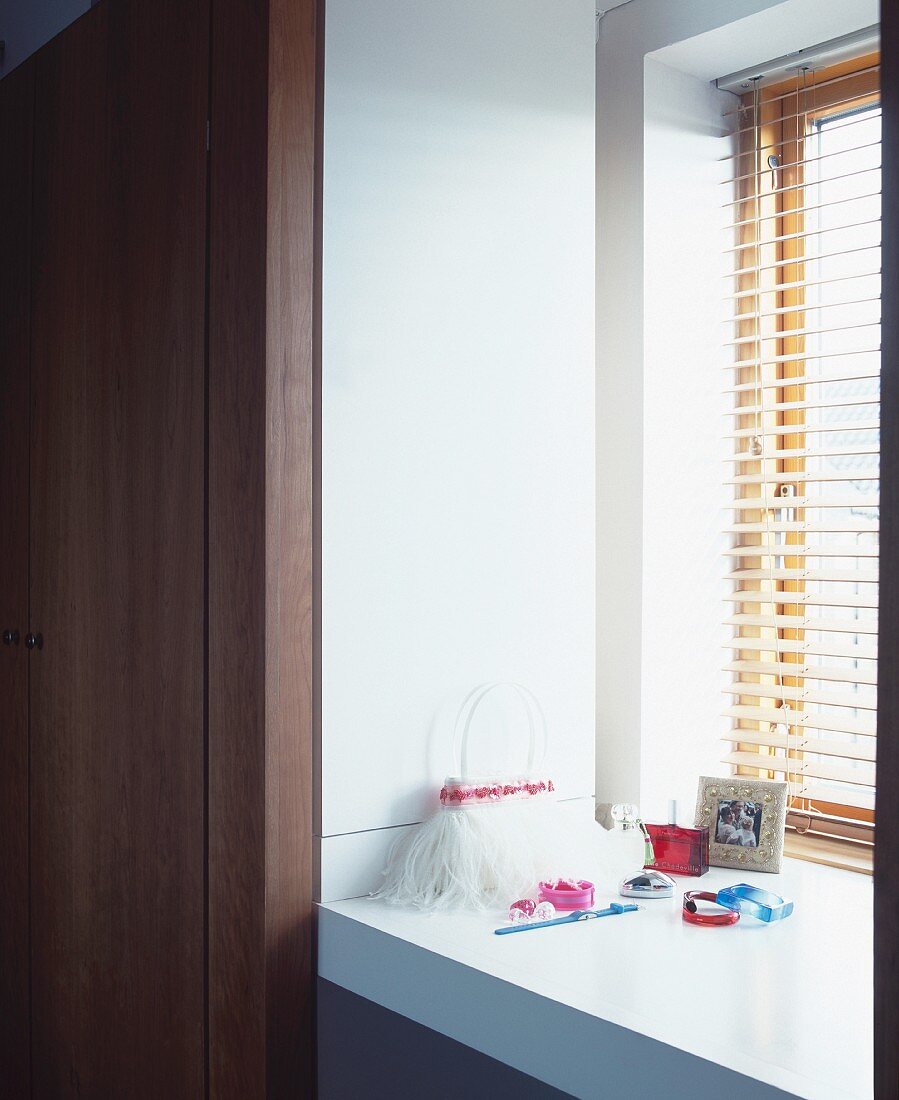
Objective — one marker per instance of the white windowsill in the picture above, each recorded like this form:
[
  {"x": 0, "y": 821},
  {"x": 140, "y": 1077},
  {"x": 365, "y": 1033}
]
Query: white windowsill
[{"x": 788, "y": 1004}]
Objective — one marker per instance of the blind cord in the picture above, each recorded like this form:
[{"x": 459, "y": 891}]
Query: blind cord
[
  {"x": 801, "y": 113},
  {"x": 760, "y": 419}
]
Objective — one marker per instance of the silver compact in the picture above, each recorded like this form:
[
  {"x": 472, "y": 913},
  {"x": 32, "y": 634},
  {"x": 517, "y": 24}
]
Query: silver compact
[{"x": 647, "y": 884}]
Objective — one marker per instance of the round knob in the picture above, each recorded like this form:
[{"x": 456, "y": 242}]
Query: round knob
[
  {"x": 10, "y": 637},
  {"x": 34, "y": 641}
]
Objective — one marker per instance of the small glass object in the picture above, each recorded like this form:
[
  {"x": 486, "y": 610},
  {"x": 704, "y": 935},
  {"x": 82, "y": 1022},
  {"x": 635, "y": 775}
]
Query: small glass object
[
  {"x": 623, "y": 846},
  {"x": 754, "y": 902},
  {"x": 679, "y": 851},
  {"x": 647, "y": 884},
  {"x": 521, "y": 910},
  {"x": 545, "y": 911}
]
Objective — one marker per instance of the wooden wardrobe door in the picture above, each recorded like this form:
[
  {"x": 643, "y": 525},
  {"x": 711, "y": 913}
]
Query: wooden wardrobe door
[
  {"x": 16, "y": 109},
  {"x": 117, "y": 554}
]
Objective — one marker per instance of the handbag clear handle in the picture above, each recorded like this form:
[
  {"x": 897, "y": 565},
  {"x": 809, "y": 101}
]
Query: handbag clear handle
[{"x": 468, "y": 709}]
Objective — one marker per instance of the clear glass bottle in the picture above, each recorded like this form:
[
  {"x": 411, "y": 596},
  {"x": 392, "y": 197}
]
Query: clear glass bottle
[{"x": 625, "y": 849}]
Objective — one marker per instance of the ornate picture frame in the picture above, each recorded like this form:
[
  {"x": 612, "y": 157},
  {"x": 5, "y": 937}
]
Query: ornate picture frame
[{"x": 746, "y": 819}]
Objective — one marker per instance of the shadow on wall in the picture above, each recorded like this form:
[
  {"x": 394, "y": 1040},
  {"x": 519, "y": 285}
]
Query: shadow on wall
[{"x": 25, "y": 27}]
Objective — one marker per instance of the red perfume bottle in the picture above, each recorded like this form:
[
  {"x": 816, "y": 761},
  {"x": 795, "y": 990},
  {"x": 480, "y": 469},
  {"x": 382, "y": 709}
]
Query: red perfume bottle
[{"x": 679, "y": 851}]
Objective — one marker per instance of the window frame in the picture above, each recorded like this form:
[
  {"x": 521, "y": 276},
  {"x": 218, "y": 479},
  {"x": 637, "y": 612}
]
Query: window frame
[{"x": 825, "y": 832}]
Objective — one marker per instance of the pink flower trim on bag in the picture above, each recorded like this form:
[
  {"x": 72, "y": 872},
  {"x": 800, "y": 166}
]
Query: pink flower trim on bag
[{"x": 456, "y": 795}]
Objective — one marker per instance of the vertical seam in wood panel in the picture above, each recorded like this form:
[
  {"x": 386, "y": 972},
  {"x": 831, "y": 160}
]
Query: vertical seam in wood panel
[
  {"x": 206, "y": 307},
  {"x": 30, "y": 239},
  {"x": 317, "y": 262},
  {"x": 886, "y": 881},
  {"x": 318, "y": 199},
  {"x": 289, "y": 580}
]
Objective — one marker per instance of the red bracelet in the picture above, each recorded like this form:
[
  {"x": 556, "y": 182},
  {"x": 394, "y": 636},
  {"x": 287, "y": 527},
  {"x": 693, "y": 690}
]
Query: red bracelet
[{"x": 691, "y": 913}]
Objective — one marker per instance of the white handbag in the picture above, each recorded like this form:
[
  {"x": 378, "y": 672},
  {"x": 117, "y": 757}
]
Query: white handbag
[{"x": 495, "y": 836}]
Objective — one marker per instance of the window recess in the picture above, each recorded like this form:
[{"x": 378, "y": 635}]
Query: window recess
[{"x": 801, "y": 199}]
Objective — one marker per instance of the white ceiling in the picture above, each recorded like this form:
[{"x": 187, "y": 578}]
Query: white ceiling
[{"x": 793, "y": 25}]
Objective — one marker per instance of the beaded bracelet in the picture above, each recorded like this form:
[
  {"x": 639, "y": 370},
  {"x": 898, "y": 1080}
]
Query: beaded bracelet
[{"x": 691, "y": 914}]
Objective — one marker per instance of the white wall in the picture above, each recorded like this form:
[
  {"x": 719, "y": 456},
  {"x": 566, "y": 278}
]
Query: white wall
[
  {"x": 706, "y": 38},
  {"x": 457, "y": 468},
  {"x": 683, "y": 495},
  {"x": 25, "y": 25}
]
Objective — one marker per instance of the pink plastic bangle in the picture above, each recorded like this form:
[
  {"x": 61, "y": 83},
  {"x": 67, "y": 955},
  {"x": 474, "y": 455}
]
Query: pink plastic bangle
[{"x": 565, "y": 895}]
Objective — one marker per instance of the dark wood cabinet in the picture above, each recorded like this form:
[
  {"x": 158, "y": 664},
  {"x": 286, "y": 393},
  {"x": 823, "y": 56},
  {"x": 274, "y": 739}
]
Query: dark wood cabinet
[
  {"x": 156, "y": 538},
  {"x": 117, "y": 554},
  {"x": 16, "y": 107}
]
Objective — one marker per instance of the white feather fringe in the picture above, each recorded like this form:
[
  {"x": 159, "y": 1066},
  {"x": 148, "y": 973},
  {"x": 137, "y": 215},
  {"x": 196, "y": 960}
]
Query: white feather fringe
[{"x": 488, "y": 856}]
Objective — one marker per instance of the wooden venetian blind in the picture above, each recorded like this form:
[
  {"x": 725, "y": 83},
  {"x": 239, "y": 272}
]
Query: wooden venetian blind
[{"x": 804, "y": 288}]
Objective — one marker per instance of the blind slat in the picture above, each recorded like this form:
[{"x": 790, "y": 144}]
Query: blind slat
[
  {"x": 801, "y": 406},
  {"x": 836, "y": 525},
  {"x": 814, "y": 769},
  {"x": 806, "y": 429},
  {"x": 802, "y": 284},
  {"x": 863, "y": 575},
  {"x": 753, "y": 269},
  {"x": 791, "y": 453},
  {"x": 802, "y": 695},
  {"x": 860, "y": 375},
  {"x": 825, "y": 647},
  {"x": 860, "y": 799},
  {"x": 849, "y": 150},
  {"x": 807, "y": 550},
  {"x": 752, "y": 315},
  {"x": 805, "y": 622},
  {"x": 789, "y": 188},
  {"x": 862, "y": 750},
  {"x": 803, "y": 210},
  {"x": 773, "y": 145},
  {"x": 805, "y": 356},
  {"x": 807, "y": 476},
  {"x": 795, "y": 333},
  {"x": 861, "y": 727},
  {"x": 755, "y": 504},
  {"x": 823, "y": 673},
  {"x": 815, "y": 599}
]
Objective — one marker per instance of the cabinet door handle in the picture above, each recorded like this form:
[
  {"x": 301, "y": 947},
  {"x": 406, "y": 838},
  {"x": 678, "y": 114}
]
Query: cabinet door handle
[
  {"x": 34, "y": 641},
  {"x": 10, "y": 637}
]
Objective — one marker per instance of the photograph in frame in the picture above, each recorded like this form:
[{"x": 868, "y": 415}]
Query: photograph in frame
[{"x": 746, "y": 819}]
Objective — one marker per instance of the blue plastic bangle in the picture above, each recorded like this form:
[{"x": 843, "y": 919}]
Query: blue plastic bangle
[{"x": 754, "y": 902}]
